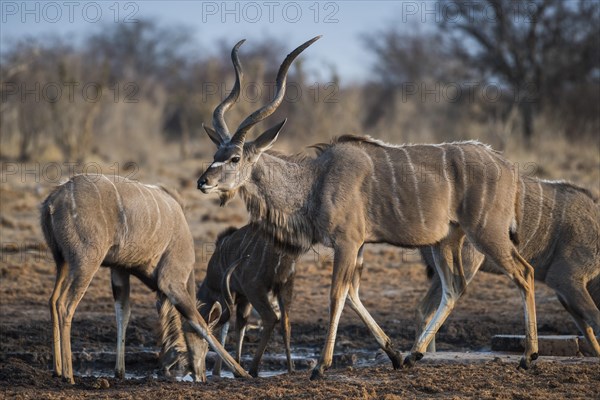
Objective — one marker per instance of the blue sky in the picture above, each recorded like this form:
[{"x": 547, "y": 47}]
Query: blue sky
[{"x": 341, "y": 22}]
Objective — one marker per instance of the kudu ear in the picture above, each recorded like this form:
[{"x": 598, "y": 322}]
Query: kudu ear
[
  {"x": 214, "y": 315},
  {"x": 267, "y": 138},
  {"x": 216, "y": 139}
]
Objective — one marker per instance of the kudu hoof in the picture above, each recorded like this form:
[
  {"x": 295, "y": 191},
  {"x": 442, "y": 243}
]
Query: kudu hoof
[
  {"x": 120, "y": 374},
  {"x": 526, "y": 362},
  {"x": 317, "y": 374},
  {"x": 70, "y": 381},
  {"x": 412, "y": 359},
  {"x": 253, "y": 374},
  {"x": 237, "y": 375},
  {"x": 396, "y": 359}
]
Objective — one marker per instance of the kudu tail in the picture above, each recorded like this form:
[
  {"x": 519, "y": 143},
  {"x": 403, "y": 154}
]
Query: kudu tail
[
  {"x": 226, "y": 284},
  {"x": 514, "y": 226},
  {"x": 46, "y": 211}
]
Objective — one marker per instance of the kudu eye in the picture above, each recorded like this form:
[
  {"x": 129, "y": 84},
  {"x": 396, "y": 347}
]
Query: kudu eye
[{"x": 235, "y": 159}]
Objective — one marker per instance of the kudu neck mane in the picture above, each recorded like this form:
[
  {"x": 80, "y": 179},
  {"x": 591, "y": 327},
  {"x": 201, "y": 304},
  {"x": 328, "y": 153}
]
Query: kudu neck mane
[{"x": 277, "y": 195}]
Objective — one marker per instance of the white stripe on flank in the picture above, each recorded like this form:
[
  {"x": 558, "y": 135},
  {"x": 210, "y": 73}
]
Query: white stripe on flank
[
  {"x": 540, "y": 212},
  {"x": 159, "y": 221},
  {"x": 262, "y": 262},
  {"x": 445, "y": 173},
  {"x": 101, "y": 208},
  {"x": 395, "y": 184},
  {"x": 373, "y": 174},
  {"x": 244, "y": 242},
  {"x": 73, "y": 206},
  {"x": 216, "y": 164},
  {"x": 120, "y": 204},
  {"x": 465, "y": 172},
  {"x": 482, "y": 214},
  {"x": 253, "y": 252},
  {"x": 137, "y": 187},
  {"x": 551, "y": 215},
  {"x": 145, "y": 202},
  {"x": 278, "y": 263},
  {"x": 416, "y": 182}
]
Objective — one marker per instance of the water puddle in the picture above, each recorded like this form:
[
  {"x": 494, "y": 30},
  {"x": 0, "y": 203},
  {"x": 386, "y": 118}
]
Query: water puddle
[{"x": 143, "y": 364}]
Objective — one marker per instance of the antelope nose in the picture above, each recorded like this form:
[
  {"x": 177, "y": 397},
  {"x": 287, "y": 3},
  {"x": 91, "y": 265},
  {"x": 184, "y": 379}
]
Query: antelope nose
[{"x": 201, "y": 182}]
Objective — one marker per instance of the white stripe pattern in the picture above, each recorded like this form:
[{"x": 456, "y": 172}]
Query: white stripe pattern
[
  {"x": 159, "y": 220},
  {"x": 551, "y": 215},
  {"x": 394, "y": 184},
  {"x": 73, "y": 206},
  {"x": 101, "y": 208},
  {"x": 464, "y": 172},
  {"x": 120, "y": 205},
  {"x": 416, "y": 182},
  {"x": 539, "y": 219},
  {"x": 447, "y": 180}
]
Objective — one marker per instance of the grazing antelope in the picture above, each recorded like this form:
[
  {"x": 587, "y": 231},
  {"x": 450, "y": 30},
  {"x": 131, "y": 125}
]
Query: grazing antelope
[
  {"x": 244, "y": 270},
  {"x": 560, "y": 233},
  {"x": 135, "y": 229},
  {"x": 359, "y": 190},
  {"x": 174, "y": 349}
]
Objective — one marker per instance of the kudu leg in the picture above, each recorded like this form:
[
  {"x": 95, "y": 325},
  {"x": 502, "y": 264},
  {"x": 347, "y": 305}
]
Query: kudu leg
[
  {"x": 472, "y": 261},
  {"x": 196, "y": 358},
  {"x": 524, "y": 279},
  {"x": 343, "y": 272},
  {"x": 427, "y": 308},
  {"x": 185, "y": 304},
  {"x": 61, "y": 272},
  {"x": 580, "y": 305},
  {"x": 356, "y": 304},
  {"x": 269, "y": 319},
  {"x": 120, "y": 288},
  {"x": 447, "y": 256},
  {"x": 223, "y": 337},
  {"x": 284, "y": 299},
  {"x": 75, "y": 284},
  {"x": 496, "y": 245},
  {"x": 242, "y": 313}
]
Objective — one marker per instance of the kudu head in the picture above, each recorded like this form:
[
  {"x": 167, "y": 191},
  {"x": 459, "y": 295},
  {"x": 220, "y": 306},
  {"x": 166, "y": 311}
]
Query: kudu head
[
  {"x": 234, "y": 159},
  {"x": 172, "y": 355}
]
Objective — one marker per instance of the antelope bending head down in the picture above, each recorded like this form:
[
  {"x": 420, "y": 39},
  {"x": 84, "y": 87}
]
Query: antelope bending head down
[
  {"x": 133, "y": 229},
  {"x": 359, "y": 190}
]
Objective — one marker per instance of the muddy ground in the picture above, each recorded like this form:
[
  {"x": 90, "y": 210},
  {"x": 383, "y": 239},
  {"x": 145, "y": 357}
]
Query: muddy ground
[{"x": 393, "y": 282}]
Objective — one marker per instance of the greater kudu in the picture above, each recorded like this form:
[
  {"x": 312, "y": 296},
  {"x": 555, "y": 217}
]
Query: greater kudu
[
  {"x": 560, "y": 231},
  {"x": 359, "y": 190},
  {"x": 135, "y": 229},
  {"x": 245, "y": 269}
]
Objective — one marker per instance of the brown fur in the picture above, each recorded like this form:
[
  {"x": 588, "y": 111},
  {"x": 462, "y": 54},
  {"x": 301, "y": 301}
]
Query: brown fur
[
  {"x": 245, "y": 269},
  {"x": 135, "y": 229},
  {"x": 563, "y": 247},
  {"x": 359, "y": 190}
]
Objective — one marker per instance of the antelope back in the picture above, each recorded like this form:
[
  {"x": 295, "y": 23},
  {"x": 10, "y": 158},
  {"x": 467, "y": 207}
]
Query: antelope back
[{"x": 118, "y": 220}]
